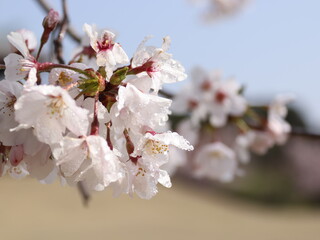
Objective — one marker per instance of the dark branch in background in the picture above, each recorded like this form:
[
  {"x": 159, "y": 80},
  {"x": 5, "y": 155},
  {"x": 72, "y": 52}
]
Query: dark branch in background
[
  {"x": 84, "y": 193},
  {"x": 58, "y": 49},
  {"x": 166, "y": 94},
  {"x": 2, "y": 66},
  {"x": 70, "y": 30},
  {"x": 303, "y": 133}
]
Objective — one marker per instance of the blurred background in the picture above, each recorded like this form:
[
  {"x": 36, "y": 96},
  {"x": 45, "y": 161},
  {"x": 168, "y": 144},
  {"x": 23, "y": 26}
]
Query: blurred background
[{"x": 269, "y": 46}]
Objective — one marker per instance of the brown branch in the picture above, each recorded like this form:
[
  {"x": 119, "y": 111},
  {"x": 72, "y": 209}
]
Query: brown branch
[
  {"x": 295, "y": 131},
  {"x": 85, "y": 196},
  {"x": 70, "y": 30},
  {"x": 2, "y": 66},
  {"x": 302, "y": 132},
  {"x": 63, "y": 28},
  {"x": 166, "y": 94}
]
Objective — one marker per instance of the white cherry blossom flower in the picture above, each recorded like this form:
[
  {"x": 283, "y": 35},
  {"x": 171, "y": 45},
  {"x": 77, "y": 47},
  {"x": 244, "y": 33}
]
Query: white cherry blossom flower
[
  {"x": 68, "y": 79},
  {"x": 188, "y": 101},
  {"x": 262, "y": 141},
  {"x": 109, "y": 53},
  {"x": 216, "y": 161},
  {"x": 218, "y": 9},
  {"x": 146, "y": 176},
  {"x": 155, "y": 146},
  {"x": 158, "y": 64},
  {"x": 144, "y": 170},
  {"x": 88, "y": 159},
  {"x": 52, "y": 112},
  {"x": 226, "y": 101},
  {"x": 19, "y": 66},
  {"x": 242, "y": 146},
  {"x": 277, "y": 125},
  {"x": 138, "y": 111},
  {"x": 207, "y": 97},
  {"x": 65, "y": 77}
]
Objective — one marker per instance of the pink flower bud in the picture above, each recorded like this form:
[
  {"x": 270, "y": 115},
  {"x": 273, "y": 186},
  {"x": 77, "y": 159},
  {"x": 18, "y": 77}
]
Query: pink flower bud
[
  {"x": 51, "y": 20},
  {"x": 16, "y": 155}
]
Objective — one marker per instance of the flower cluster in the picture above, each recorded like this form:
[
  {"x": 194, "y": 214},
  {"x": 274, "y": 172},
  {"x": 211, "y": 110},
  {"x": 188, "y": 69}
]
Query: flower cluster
[
  {"x": 97, "y": 120},
  {"x": 224, "y": 127},
  {"x": 217, "y": 9}
]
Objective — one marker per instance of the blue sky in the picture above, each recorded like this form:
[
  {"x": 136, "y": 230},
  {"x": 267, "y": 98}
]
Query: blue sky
[{"x": 272, "y": 47}]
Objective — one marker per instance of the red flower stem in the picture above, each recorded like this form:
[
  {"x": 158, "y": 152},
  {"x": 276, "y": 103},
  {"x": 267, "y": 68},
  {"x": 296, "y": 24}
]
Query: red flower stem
[
  {"x": 95, "y": 122},
  {"x": 109, "y": 124}
]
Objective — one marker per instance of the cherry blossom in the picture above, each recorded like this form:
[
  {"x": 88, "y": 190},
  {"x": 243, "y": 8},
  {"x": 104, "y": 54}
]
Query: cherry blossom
[
  {"x": 143, "y": 172},
  {"x": 209, "y": 97},
  {"x": 278, "y": 127},
  {"x": 19, "y": 66},
  {"x": 138, "y": 111},
  {"x": 216, "y": 161},
  {"x": 158, "y": 64},
  {"x": 109, "y": 53},
  {"x": 53, "y": 112},
  {"x": 87, "y": 159}
]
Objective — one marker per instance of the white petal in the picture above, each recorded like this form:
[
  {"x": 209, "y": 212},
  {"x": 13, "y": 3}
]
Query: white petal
[
  {"x": 13, "y": 67},
  {"x": 17, "y": 40},
  {"x": 164, "y": 179}
]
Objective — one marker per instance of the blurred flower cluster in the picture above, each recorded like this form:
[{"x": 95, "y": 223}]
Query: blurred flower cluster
[
  {"x": 97, "y": 120},
  {"x": 223, "y": 127},
  {"x": 218, "y": 9}
]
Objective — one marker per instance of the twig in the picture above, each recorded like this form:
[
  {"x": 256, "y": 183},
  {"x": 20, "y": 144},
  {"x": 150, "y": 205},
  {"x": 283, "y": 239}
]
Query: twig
[
  {"x": 166, "y": 94},
  {"x": 48, "y": 66},
  {"x": 302, "y": 132},
  {"x": 95, "y": 121},
  {"x": 63, "y": 28},
  {"x": 2, "y": 66},
  {"x": 84, "y": 193},
  {"x": 70, "y": 30}
]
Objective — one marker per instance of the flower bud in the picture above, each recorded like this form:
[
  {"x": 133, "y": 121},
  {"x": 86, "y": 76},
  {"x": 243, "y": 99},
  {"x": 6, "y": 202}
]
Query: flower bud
[
  {"x": 49, "y": 24},
  {"x": 51, "y": 20},
  {"x": 16, "y": 155}
]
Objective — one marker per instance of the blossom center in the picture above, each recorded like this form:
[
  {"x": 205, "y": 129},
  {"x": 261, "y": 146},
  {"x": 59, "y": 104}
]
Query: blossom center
[
  {"x": 206, "y": 85},
  {"x": 220, "y": 96},
  {"x": 64, "y": 79},
  {"x": 56, "y": 106},
  {"x": 216, "y": 154},
  {"x": 141, "y": 172},
  {"x": 156, "y": 147},
  {"x": 192, "y": 104},
  {"x": 105, "y": 44}
]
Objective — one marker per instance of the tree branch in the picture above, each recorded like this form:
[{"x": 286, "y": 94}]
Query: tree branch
[
  {"x": 166, "y": 94},
  {"x": 58, "y": 49},
  {"x": 302, "y": 132}
]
